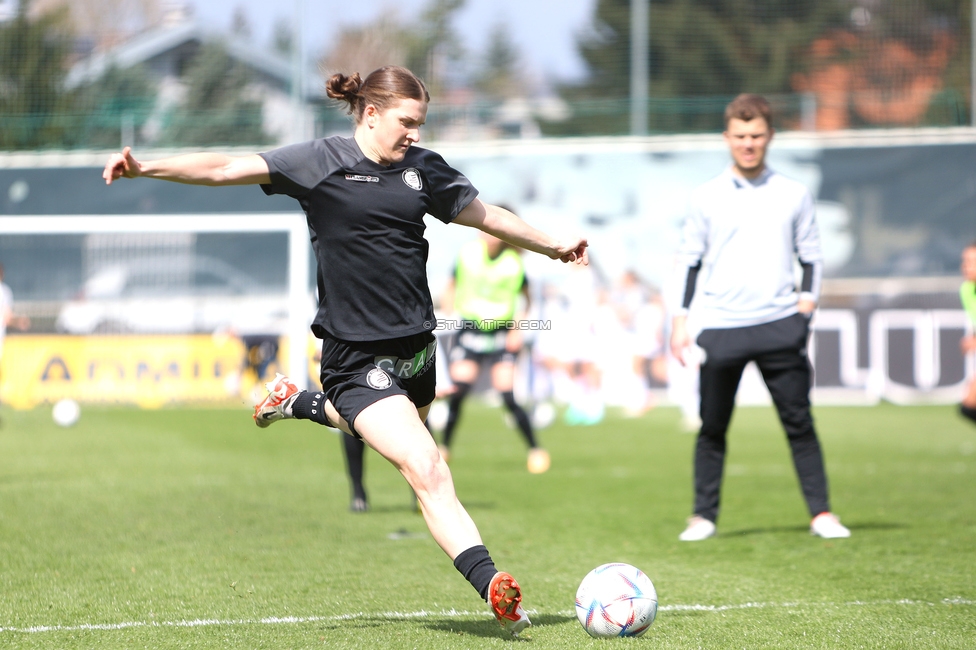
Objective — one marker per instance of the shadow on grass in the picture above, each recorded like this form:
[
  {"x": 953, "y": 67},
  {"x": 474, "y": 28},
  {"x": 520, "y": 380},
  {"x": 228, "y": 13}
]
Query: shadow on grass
[
  {"x": 744, "y": 532},
  {"x": 409, "y": 507},
  {"x": 491, "y": 629},
  {"x": 484, "y": 628},
  {"x": 806, "y": 529}
]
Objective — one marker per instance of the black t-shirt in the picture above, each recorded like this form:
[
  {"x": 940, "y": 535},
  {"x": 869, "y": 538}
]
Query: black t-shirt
[{"x": 367, "y": 226}]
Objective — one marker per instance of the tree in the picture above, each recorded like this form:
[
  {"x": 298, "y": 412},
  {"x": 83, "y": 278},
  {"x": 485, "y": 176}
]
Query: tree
[
  {"x": 698, "y": 48},
  {"x": 240, "y": 24},
  {"x": 426, "y": 47},
  {"x": 216, "y": 109},
  {"x": 105, "y": 22},
  {"x": 282, "y": 38},
  {"x": 896, "y": 63},
  {"x": 364, "y": 49},
  {"x": 121, "y": 98},
  {"x": 433, "y": 44},
  {"x": 703, "y": 52},
  {"x": 33, "y": 52},
  {"x": 498, "y": 76}
]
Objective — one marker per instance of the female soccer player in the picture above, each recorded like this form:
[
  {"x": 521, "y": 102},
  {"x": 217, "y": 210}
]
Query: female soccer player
[{"x": 365, "y": 198}]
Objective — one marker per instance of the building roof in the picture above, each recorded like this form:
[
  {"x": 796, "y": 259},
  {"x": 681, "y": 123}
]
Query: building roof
[{"x": 155, "y": 43}]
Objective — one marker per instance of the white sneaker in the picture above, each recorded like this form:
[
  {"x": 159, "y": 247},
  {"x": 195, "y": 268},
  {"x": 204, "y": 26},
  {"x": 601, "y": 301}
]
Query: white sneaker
[
  {"x": 698, "y": 529},
  {"x": 277, "y": 405},
  {"x": 828, "y": 526}
]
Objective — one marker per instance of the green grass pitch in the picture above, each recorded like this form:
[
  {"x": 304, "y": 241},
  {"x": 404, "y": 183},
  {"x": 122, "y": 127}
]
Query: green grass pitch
[{"x": 194, "y": 529}]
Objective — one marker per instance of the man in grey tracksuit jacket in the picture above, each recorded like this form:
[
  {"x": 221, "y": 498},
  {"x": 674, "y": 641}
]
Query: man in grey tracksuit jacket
[{"x": 744, "y": 232}]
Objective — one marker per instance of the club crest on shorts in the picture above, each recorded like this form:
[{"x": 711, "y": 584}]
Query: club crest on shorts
[
  {"x": 378, "y": 379},
  {"x": 411, "y": 177}
]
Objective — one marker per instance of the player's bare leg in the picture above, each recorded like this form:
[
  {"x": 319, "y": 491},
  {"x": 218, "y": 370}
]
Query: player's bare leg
[
  {"x": 503, "y": 376},
  {"x": 464, "y": 370},
  {"x": 395, "y": 429}
]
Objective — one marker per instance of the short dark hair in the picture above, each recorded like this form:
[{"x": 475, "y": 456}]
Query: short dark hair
[
  {"x": 382, "y": 88},
  {"x": 748, "y": 107}
]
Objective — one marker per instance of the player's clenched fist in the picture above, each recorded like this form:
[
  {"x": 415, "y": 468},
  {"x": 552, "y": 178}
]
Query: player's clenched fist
[
  {"x": 573, "y": 252},
  {"x": 121, "y": 165}
]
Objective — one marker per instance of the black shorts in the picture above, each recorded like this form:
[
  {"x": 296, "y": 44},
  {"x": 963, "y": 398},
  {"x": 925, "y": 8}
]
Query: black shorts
[
  {"x": 357, "y": 374},
  {"x": 482, "y": 347}
]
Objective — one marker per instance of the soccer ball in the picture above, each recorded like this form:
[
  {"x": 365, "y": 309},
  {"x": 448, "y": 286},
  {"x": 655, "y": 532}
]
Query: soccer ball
[
  {"x": 616, "y": 599},
  {"x": 66, "y": 412}
]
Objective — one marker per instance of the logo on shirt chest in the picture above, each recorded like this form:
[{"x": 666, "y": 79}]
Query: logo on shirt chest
[
  {"x": 411, "y": 177},
  {"x": 362, "y": 178}
]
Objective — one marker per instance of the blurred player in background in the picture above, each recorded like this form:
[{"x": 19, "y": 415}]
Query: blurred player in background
[
  {"x": 484, "y": 295},
  {"x": 260, "y": 356},
  {"x": 353, "y": 447},
  {"x": 967, "y": 293},
  {"x": 639, "y": 338},
  {"x": 7, "y": 316},
  {"x": 744, "y": 232},
  {"x": 569, "y": 349},
  {"x": 365, "y": 198}
]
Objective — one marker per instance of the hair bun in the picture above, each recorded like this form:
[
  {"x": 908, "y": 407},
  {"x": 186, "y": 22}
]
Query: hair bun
[
  {"x": 344, "y": 88},
  {"x": 383, "y": 88}
]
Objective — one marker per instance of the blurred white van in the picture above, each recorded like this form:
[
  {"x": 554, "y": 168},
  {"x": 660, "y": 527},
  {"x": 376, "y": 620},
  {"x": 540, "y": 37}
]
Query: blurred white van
[{"x": 178, "y": 295}]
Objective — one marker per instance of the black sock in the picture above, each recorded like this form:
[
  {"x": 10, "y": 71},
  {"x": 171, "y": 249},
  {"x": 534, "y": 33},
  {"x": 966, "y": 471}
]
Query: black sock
[
  {"x": 476, "y": 566},
  {"x": 454, "y": 410},
  {"x": 521, "y": 418},
  {"x": 355, "y": 449},
  {"x": 967, "y": 412},
  {"x": 311, "y": 406}
]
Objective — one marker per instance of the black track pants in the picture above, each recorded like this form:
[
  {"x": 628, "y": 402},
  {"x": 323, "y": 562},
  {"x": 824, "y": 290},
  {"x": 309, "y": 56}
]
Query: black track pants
[{"x": 779, "y": 350}]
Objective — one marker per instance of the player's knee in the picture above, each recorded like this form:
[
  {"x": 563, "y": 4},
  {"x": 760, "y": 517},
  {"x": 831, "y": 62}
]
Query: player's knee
[{"x": 426, "y": 469}]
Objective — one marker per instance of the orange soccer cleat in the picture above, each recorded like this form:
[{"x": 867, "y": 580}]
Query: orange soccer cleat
[
  {"x": 277, "y": 405},
  {"x": 505, "y": 598}
]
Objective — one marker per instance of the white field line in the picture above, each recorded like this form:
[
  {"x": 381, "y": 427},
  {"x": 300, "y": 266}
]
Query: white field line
[{"x": 453, "y": 613}]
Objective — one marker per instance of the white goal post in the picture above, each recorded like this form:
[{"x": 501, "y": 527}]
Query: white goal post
[{"x": 291, "y": 223}]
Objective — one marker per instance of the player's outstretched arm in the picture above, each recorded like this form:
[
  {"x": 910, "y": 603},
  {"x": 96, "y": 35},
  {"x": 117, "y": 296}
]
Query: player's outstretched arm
[
  {"x": 506, "y": 226},
  {"x": 193, "y": 169}
]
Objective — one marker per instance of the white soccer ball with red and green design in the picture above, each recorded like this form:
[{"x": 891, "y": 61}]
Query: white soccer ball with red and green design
[{"x": 616, "y": 599}]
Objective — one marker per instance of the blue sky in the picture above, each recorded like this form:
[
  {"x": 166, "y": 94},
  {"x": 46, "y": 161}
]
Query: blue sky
[{"x": 543, "y": 30}]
